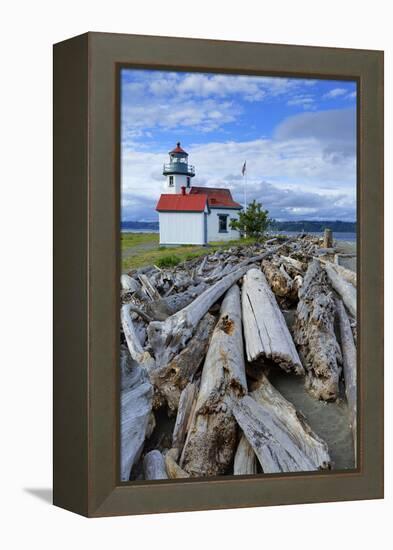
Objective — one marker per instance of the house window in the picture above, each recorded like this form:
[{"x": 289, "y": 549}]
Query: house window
[
  {"x": 188, "y": 182},
  {"x": 223, "y": 223},
  {"x": 170, "y": 181}
]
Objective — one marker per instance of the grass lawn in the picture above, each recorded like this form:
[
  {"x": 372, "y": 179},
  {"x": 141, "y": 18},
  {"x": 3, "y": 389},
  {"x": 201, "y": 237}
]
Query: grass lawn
[{"x": 164, "y": 256}]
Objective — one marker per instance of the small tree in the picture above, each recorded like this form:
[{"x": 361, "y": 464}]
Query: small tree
[{"x": 253, "y": 222}]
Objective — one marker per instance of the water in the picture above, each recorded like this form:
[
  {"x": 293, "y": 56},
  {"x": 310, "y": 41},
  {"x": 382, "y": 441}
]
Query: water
[{"x": 126, "y": 230}]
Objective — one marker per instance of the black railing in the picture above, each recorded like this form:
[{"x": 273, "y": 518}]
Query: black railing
[{"x": 179, "y": 167}]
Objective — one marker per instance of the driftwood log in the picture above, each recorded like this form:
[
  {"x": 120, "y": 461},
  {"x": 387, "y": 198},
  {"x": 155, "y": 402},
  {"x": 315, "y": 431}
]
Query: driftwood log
[
  {"x": 136, "y": 419},
  {"x": 278, "y": 433},
  {"x": 245, "y": 462},
  {"x": 168, "y": 337},
  {"x": 172, "y": 378},
  {"x": 265, "y": 331},
  {"x": 154, "y": 466},
  {"x": 211, "y": 442},
  {"x": 163, "y": 308},
  {"x": 172, "y": 467},
  {"x": 347, "y": 274},
  {"x": 279, "y": 280},
  {"x": 345, "y": 289},
  {"x": 314, "y": 334},
  {"x": 138, "y": 353},
  {"x": 349, "y": 367},
  {"x": 186, "y": 403}
]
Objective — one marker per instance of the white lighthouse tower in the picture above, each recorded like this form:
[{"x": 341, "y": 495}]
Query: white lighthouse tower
[{"x": 178, "y": 172}]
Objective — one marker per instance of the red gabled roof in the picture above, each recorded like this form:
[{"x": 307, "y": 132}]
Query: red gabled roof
[
  {"x": 178, "y": 149},
  {"x": 216, "y": 197},
  {"x": 181, "y": 203}
]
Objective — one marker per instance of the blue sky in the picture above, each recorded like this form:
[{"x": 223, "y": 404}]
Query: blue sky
[{"x": 298, "y": 137}]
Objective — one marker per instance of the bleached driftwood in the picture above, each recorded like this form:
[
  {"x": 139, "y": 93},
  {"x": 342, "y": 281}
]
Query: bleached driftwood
[
  {"x": 345, "y": 289},
  {"x": 278, "y": 433},
  {"x": 154, "y": 466},
  {"x": 148, "y": 287},
  {"x": 202, "y": 266},
  {"x": 187, "y": 398},
  {"x": 138, "y": 353},
  {"x": 314, "y": 334},
  {"x": 347, "y": 274},
  {"x": 163, "y": 308},
  {"x": 265, "y": 330},
  {"x": 170, "y": 379},
  {"x": 129, "y": 283},
  {"x": 245, "y": 462},
  {"x": 167, "y": 338},
  {"x": 136, "y": 419},
  {"x": 279, "y": 280},
  {"x": 211, "y": 440},
  {"x": 172, "y": 467},
  {"x": 349, "y": 364},
  {"x": 295, "y": 264}
]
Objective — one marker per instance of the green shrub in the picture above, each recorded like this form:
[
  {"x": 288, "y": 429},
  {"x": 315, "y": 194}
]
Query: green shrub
[{"x": 168, "y": 261}]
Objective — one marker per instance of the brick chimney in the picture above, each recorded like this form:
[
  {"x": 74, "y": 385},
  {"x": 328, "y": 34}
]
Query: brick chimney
[{"x": 183, "y": 189}]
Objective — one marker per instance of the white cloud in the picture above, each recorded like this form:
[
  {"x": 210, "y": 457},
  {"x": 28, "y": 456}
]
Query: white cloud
[
  {"x": 336, "y": 92},
  {"x": 306, "y": 101},
  {"x": 287, "y": 175}
]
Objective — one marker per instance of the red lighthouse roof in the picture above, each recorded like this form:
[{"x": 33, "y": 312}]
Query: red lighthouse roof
[
  {"x": 181, "y": 203},
  {"x": 216, "y": 197},
  {"x": 178, "y": 149}
]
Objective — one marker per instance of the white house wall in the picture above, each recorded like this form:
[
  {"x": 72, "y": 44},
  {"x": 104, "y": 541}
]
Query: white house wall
[
  {"x": 213, "y": 233},
  {"x": 182, "y": 228}
]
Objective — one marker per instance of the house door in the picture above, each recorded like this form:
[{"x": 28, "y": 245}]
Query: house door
[{"x": 205, "y": 227}]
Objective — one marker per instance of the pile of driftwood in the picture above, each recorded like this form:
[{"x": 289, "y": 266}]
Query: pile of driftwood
[{"x": 198, "y": 342}]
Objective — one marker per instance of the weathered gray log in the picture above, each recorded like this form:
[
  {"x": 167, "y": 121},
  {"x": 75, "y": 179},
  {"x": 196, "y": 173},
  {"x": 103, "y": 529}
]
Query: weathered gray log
[
  {"x": 328, "y": 238},
  {"x": 170, "y": 379},
  {"x": 172, "y": 467},
  {"x": 211, "y": 441},
  {"x": 154, "y": 466},
  {"x": 187, "y": 398},
  {"x": 142, "y": 314},
  {"x": 349, "y": 364},
  {"x": 202, "y": 266},
  {"x": 279, "y": 280},
  {"x": 165, "y": 307},
  {"x": 325, "y": 251},
  {"x": 265, "y": 330},
  {"x": 295, "y": 264},
  {"x": 136, "y": 419},
  {"x": 314, "y": 334},
  {"x": 278, "y": 433},
  {"x": 345, "y": 289},
  {"x": 347, "y": 274},
  {"x": 167, "y": 338},
  {"x": 148, "y": 287},
  {"x": 245, "y": 462},
  {"x": 138, "y": 353},
  {"x": 129, "y": 284}
]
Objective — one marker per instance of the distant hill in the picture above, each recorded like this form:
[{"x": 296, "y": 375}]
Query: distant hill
[
  {"x": 314, "y": 226},
  {"x": 152, "y": 226}
]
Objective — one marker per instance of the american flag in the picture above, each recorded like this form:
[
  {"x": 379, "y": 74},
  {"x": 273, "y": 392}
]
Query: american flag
[{"x": 244, "y": 168}]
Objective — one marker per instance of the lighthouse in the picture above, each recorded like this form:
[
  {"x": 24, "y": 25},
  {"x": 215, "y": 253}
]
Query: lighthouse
[
  {"x": 178, "y": 172},
  {"x": 193, "y": 215}
]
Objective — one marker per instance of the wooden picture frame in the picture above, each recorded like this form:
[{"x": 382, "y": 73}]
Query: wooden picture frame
[{"x": 87, "y": 269}]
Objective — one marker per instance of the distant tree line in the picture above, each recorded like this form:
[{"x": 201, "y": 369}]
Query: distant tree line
[
  {"x": 255, "y": 222},
  {"x": 313, "y": 226}
]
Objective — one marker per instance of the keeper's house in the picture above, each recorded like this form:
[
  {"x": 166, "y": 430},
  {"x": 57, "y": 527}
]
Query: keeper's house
[{"x": 193, "y": 215}]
